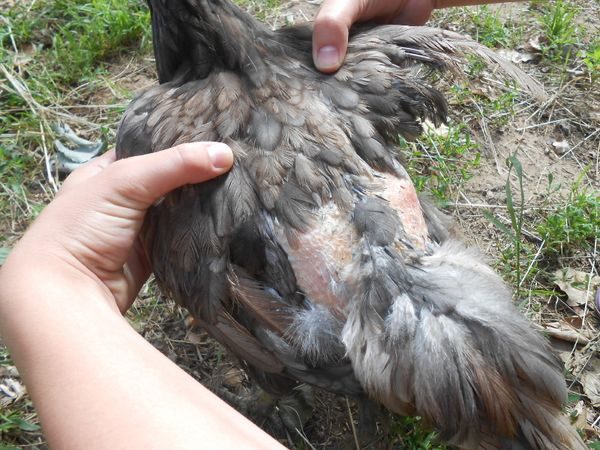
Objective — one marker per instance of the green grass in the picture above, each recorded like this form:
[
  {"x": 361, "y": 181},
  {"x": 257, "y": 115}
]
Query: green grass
[
  {"x": 261, "y": 9},
  {"x": 560, "y": 29},
  {"x": 591, "y": 59},
  {"x": 569, "y": 230},
  {"x": 52, "y": 53},
  {"x": 573, "y": 226},
  {"x": 14, "y": 165},
  {"x": 78, "y": 37},
  {"x": 492, "y": 30},
  {"x": 413, "y": 435},
  {"x": 441, "y": 163}
]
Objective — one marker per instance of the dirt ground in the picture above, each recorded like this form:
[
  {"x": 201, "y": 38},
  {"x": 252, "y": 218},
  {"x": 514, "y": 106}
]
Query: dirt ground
[{"x": 558, "y": 137}]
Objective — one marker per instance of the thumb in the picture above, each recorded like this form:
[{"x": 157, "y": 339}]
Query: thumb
[
  {"x": 330, "y": 34},
  {"x": 146, "y": 178}
]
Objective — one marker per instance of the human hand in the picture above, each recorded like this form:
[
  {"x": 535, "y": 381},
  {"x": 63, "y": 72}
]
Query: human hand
[
  {"x": 91, "y": 228},
  {"x": 334, "y": 19},
  {"x": 62, "y": 289}
]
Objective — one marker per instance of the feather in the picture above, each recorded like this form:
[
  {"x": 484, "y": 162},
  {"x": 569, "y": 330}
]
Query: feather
[
  {"x": 237, "y": 338},
  {"x": 263, "y": 305}
]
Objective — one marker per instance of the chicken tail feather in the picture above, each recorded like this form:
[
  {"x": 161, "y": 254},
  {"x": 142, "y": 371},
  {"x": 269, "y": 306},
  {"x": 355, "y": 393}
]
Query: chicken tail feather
[{"x": 439, "y": 337}]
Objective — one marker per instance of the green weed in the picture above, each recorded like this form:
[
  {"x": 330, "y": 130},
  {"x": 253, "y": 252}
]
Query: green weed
[
  {"x": 8, "y": 447},
  {"x": 15, "y": 183},
  {"x": 77, "y": 35},
  {"x": 261, "y": 9},
  {"x": 14, "y": 421},
  {"x": 573, "y": 226},
  {"x": 413, "y": 435},
  {"x": 515, "y": 208},
  {"x": 591, "y": 59},
  {"x": 501, "y": 109},
  {"x": 493, "y": 31},
  {"x": 441, "y": 163},
  {"x": 560, "y": 30}
]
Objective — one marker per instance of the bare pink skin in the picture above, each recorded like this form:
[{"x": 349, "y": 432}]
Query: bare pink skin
[
  {"x": 402, "y": 196},
  {"x": 322, "y": 256}
]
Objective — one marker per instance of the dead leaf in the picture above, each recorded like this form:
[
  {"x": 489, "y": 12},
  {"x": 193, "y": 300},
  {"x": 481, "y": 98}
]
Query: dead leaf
[
  {"x": 233, "y": 378},
  {"x": 577, "y": 285},
  {"x": 481, "y": 92},
  {"x": 520, "y": 57},
  {"x": 565, "y": 332},
  {"x": 574, "y": 321},
  {"x": 590, "y": 380},
  {"x": 534, "y": 44},
  {"x": 190, "y": 321},
  {"x": 580, "y": 412},
  {"x": 195, "y": 338}
]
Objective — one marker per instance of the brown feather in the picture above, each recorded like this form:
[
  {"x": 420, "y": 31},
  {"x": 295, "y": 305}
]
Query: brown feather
[
  {"x": 237, "y": 338},
  {"x": 257, "y": 303}
]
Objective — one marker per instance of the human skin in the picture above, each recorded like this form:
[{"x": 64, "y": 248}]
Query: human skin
[
  {"x": 335, "y": 17},
  {"x": 95, "y": 382}
]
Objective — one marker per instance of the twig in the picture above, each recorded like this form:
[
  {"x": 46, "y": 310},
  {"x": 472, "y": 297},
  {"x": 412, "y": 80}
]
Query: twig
[
  {"x": 47, "y": 160},
  {"x": 354, "y": 434},
  {"x": 580, "y": 143},
  {"x": 305, "y": 439},
  {"x": 477, "y": 205},
  {"x": 487, "y": 136},
  {"x": 532, "y": 262},
  {"x": 537, "y": 125}
]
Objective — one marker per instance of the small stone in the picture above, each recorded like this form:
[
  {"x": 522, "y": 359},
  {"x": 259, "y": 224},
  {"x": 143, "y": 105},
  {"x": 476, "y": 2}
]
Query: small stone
[{"x": 561, "y": 147}]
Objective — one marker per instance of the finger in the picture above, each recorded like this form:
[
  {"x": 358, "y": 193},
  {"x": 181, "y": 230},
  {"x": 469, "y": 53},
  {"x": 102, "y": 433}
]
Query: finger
[
  {"x": 89, "y": 169},
  {"x": 414, "y": 12},
  {"x": 137, "y": 270},
  {"x": 141, "y": 180},
  {"x": 330, "y": 35}
]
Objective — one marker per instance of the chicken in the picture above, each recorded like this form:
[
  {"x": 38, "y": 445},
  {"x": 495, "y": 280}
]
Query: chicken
[{"x": 314, "y": 260}]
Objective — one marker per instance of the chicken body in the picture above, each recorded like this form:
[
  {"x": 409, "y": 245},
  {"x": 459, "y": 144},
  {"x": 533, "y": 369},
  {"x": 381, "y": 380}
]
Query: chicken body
[{"x": 314, "y": 259}]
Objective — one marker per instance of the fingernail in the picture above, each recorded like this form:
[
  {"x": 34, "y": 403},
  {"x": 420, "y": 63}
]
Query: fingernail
[
  {"x": 220, "y": 156},
  {"x": 328, "y": 57}
]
